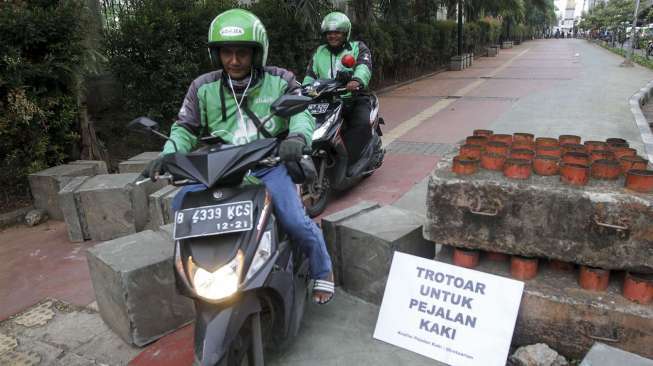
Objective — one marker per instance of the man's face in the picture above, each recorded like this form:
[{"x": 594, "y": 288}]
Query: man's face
[
  {"x": 335, "y": 39},
  {"x": 236, "y": 60}
]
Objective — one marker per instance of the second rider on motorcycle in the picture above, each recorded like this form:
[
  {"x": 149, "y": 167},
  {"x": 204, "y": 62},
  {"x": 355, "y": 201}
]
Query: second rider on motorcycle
[{"x": 326, "y": 63}]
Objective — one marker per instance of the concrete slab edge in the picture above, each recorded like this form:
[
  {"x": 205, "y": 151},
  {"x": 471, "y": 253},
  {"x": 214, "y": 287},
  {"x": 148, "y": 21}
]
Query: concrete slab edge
[{"x": 643, "y": 96}]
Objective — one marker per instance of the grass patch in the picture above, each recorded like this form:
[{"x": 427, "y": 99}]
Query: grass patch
[{"x": 638, "y": 59}]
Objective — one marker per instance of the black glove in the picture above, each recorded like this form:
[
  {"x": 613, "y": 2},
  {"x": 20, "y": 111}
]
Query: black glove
[
  {"x": 292, "y": 148},
  {"x": 154, "y": 168}
]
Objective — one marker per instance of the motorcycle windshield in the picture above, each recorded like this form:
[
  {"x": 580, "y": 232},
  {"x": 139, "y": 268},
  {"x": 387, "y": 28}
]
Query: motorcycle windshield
[{"x": 221, "y": 164}]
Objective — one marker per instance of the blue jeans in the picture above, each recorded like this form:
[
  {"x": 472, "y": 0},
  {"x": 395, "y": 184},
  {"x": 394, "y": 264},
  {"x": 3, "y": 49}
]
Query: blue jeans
[{"x": 290, "y": 212}]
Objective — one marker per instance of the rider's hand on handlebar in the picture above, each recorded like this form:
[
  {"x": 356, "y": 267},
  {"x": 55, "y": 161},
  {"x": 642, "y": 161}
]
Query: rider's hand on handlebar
[
  {"x": 353, "y": 85},
  {"x": 292, "y": 148},
  {"x": 154, "y": 169}
]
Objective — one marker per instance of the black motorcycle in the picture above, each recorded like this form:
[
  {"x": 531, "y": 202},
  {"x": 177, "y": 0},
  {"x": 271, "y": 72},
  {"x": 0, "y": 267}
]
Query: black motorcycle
[
  {"x": 334, "y": 170},
  {"x": 248, "y": 282}
]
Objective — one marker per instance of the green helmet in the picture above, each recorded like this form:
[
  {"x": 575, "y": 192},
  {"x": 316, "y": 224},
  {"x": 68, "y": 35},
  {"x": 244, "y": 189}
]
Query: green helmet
[
  {"x": 336, "y": 22},
  {"x": 240, "y": 28}
]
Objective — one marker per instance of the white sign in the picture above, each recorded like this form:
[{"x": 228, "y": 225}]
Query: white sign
[{"x": 451, "y": 314}]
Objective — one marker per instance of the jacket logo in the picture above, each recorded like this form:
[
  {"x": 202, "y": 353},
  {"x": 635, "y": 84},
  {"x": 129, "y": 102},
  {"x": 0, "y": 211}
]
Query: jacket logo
[{"x": 232, "y": 31}]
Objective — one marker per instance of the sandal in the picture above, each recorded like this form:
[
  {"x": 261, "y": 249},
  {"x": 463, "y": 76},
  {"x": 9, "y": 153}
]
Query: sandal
[{"x": 323, "y": 286}]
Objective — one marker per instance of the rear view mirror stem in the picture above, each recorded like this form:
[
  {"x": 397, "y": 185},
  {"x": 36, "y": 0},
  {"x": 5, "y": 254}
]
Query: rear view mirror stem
[{"x": 174, "y": 144}]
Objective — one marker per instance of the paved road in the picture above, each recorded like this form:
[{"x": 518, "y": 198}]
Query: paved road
[{"x": 547, "y": 87}]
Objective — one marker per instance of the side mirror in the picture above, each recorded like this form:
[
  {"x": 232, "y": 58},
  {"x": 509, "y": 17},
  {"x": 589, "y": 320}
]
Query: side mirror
[
  {"x": 289, "y": 105},
  {"x": 143, "y": 124}
]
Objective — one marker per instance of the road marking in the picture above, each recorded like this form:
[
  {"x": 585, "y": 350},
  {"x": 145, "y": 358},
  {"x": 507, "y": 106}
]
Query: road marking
[{"x": 441, "y": 104}]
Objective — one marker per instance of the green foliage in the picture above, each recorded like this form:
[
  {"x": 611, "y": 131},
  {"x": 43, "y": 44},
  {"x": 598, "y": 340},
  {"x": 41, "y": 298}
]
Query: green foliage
[
  {"x": 157, "y": 50},
  {"x": 42, "y": 59}
]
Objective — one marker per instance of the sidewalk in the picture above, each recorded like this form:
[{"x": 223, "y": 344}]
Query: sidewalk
[{"x": 546, "y": 87}]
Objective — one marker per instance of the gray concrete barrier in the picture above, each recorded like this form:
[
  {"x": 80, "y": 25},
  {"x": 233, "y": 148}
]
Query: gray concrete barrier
[
  {"x": 367, "y": 243},
  {"x": 46, "y": 184},
  {"x": 113, "y": 205},
  {"x": 137, "y": 163},
  {"x": 134, "y": 286}
]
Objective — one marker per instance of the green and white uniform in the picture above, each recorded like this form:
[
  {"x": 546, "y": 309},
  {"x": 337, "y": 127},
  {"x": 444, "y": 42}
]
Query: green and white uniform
[
  {"x": 326, "y": 63},
  {"x": 205, "y": 106}
]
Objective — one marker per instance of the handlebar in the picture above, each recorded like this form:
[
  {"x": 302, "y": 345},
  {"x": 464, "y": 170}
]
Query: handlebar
[{"x": 269, "y": 161}]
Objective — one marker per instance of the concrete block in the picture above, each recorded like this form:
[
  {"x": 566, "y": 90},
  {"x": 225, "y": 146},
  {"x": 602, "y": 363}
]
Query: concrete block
[
  {"x": 603, "y": 355},
  {"x": 137, "y": 163},
  {"x": 134, "y": 286},
  {"x": 46, "y": 184},
  {"x": 492, "y": 51},
  {"x": 457, "y": 63},
  {"x": 160, "y": 206},
  {"x": 113, "y": 205},
  {"x": 555, "y": 310},
  {"x": 70, "y": 206},
  {"x": 601, "y": 224},
  {"x": 100, "y": 165},
  {"x": 367, "y": 244},
  {"x": 331, "y": 233}
]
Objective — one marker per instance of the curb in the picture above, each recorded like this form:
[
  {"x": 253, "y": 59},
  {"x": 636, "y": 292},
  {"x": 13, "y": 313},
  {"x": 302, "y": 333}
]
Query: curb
[
  {"x": 390, "y": 88},
  {"x": 640, "y": 98},
  {"x": 14, "y": 217}
]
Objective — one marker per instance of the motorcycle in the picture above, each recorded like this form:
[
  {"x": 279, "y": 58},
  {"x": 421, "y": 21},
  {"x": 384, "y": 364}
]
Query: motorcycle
[
  {"x": 334, "y": 170},
  {"x": 231, "y": 257}
]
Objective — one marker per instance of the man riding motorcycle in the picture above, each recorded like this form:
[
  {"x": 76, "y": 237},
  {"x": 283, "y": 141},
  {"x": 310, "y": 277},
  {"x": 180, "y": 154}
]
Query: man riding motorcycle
[
  {"x": 229, "y": 103},
  {"x": 325, "y": 64}
]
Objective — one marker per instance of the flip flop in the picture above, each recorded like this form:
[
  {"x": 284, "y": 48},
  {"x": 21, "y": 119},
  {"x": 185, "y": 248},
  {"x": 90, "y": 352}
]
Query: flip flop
[{"x": 324, "y": 286}]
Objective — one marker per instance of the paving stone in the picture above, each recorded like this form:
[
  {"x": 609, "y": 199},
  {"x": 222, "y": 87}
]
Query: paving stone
[
  {"x": 113, "y": 205},
  {"x": 541, "y": 216},
  {"x": 69, "y": 203},
  {"x": 367, "y": 243},
  {"x": 135, "y": 287},
  {"x": 46, "y": 184},
  {"x": 603, "y": 355},
  {"x": 38, "y": 315},
  {"x": 7, "y": 343},
  {"x": 556, "y": 311},
  {"x": 329, "y": 226}
]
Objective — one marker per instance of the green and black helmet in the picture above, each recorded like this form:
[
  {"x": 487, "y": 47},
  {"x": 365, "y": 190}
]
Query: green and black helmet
[
  {"x": 238, "y": 27},
  {"x": 336, "y": 22}
]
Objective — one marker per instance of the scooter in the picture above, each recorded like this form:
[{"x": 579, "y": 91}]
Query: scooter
[
  {"x": 334, "y": 170},
  {"x": 231, "y": 257},
  {"x": 649, "y": 49}
]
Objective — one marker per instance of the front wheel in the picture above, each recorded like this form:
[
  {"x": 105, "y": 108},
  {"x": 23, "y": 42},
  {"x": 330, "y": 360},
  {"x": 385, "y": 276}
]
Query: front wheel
[{"x": 316, "y": 196}]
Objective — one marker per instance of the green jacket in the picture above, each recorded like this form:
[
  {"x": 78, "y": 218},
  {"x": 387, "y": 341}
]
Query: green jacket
[
  {"x": 325, "y": 64},
  {"x": 202, "y": 106}
]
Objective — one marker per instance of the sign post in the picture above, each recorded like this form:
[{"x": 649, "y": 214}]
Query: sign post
[{"x": 451, "y": 314}]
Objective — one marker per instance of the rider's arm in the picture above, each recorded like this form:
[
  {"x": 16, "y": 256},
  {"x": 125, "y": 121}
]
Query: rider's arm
[
  {"x": 185, "y": 130},
  {"x": 363, "y": 70},
  {"x": 302, "y": 123},
  {"x": 311, "y": 72}
]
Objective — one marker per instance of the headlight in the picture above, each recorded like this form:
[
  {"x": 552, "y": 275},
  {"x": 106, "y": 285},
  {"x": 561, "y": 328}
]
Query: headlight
[
  {"x": 319, "y": 133},
  {"x": 263, "y": 253},
  {"x": 220, "y": 284}
]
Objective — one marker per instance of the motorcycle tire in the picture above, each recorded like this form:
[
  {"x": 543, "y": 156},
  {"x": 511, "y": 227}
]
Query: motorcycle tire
[{"x": 315, "y": 208}]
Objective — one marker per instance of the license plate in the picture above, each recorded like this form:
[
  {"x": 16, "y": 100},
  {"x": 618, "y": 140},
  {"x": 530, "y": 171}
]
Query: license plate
[
  {"x": 318, "y": 108},
  {"x": 213, "y": 220}
]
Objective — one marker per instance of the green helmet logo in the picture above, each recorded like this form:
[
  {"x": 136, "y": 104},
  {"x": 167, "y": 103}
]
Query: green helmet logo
[
  {"x": 238, "y": 27},
  {"x": 336, "y": 22}
]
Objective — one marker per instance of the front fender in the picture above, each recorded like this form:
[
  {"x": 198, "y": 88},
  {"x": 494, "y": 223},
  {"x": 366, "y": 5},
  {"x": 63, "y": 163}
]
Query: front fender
[{"x": 217, "y": 326}]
